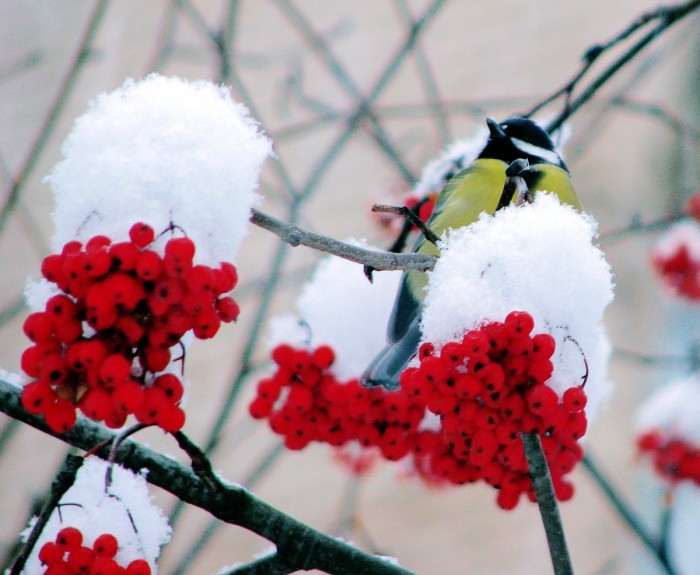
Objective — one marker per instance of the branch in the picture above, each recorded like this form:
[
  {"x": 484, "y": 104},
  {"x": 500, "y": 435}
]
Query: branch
[
  {"x": 61, "y": 483},
  {"x": 56, "y": 109},
  {"x": 625, "y": 512},
  {"x": 547, "y": 502},
  {"x": 666, "y": 16},
  {"x": 378, "y": 260},
  {"x": 297, "y": 543}
]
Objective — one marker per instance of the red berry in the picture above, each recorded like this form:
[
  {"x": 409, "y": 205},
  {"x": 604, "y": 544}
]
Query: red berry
[
  {"x": 172, "y": 386},
  {"x": 51, "y": 553},
  {"x": 171, "y": 418},
  {"x": 138, "y": 567},
  {"x": 106, "y": 545},
  {"x": 574, "y": 399},
  {"x": 149, "y": 265},
  {"x": 60, "y": 416},
  {"x": 141, "y": 234},
  {"x": 228, "y": 309},
  {"x": 37, "y": 396},
  {"x": 80, "y": 560},
  {"x": 69, "y": 538},
  {"x": 520, "y": 322}
]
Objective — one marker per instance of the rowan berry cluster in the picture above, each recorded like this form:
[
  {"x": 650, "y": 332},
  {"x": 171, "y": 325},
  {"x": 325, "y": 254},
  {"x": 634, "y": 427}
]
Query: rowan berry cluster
[
  {"x": 674, "y": 459},
  {"x": 487, "y": 389},
  {"x": 680, "y": 270},
  {"x": 304, "y": 402},
  {"x": 100, "y": 343},
  {"x": 68, "y": 556}
]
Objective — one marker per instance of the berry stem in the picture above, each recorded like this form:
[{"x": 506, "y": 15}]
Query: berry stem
[
  {"x": 547, "y": 501},
  {"x": 62, "y": 482}
]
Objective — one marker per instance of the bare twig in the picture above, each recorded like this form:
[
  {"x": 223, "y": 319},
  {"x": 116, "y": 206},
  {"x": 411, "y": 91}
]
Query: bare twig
[
  {"x": 62, "y": 483},
  {"x": 295, "y": 236},
  {"x": 56, "y": 109},
  {"x": 664, "y": 17}
]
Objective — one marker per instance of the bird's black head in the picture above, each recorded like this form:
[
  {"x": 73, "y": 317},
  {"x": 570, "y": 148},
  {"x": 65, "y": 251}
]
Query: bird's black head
[{"x": 520, "y": 138}]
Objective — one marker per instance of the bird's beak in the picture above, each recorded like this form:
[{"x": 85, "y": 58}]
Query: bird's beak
[{"x": 495, "y": 129}]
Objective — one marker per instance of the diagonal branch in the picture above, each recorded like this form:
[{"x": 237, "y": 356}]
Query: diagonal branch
[{"x": 297, "y": 543}]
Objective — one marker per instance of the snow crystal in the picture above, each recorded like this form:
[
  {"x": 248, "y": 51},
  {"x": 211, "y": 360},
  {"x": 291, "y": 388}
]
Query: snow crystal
[
  {"x": 340, "y": 308},
  {"x": 161, "y": 150},
  {"x": 125, "y": 511},
  {"x": 537, "y": 258},
  {"x": 673, "y": 410}
]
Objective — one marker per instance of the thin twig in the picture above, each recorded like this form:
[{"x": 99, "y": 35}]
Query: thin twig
[
  {"x": 626, "y": 513},
  {"x": 411, "y": 216},
  {"x": 47, "y": 128},
  {"x": 637, "y": 226},
  {"x": 547, "y": 502},
  {"x": 61, "y": 483},
  {"x": 666, "y": 16},
  {"x": 295, "y": 236}
]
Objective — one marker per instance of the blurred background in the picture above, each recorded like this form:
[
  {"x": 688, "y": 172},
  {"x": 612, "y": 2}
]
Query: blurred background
[{"x": 357, "y": 97}]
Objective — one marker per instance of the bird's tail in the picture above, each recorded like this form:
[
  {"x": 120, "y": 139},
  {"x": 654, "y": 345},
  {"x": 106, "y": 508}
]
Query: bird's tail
[{"x": 393, "y": 359}]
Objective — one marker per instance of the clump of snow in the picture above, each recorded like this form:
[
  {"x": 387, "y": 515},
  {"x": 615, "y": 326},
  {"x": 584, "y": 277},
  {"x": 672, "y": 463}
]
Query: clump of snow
[
  {"x": 125, "y": 510},
  {"x": 538, "y": 258},
  {"x": 682, "y": 234},
  {"x": 340, "y": 308},
  {"x": 161, "y": 150},
  {"x": 673, "y": 411}
]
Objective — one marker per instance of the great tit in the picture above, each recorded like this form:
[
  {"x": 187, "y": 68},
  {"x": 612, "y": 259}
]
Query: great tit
[{"x": 476, "y": 189}]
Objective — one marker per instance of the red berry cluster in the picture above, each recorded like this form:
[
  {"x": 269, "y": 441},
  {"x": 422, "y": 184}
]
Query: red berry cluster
[
  {"x": 304, "y": 402},
  {"x": 680, "y": 270},
  {"x": 487, "y": 389},
  {"x": 99, "y": 343},
  {"x": 692, "y": 206},
  {"x": 674, "y": 459},
  {"x": 68, "y": 556}
]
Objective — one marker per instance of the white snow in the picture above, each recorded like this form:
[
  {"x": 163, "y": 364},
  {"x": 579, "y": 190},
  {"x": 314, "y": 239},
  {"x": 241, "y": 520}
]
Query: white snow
[
  {"x": 125, "y": 511},
  {"x": 161, "y": 150},
  {"x": 538, "y": 258},
  {"x": 340, "y": 308},
  {"x": 674, "y": 411}
]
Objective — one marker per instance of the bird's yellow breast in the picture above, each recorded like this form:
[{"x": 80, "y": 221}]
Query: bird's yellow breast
[{"x": 478, "y": 189}]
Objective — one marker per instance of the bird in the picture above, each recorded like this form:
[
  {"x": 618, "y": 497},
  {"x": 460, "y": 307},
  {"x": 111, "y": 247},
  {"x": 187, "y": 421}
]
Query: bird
[{"x": 517, "y": 145}]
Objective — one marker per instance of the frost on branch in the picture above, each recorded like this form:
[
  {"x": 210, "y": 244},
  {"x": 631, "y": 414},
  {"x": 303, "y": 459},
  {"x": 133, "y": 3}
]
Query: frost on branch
[
  {"x": 161, "y": 150},
  {"x": 124, "y": 511},
  {"x": 536, "y": 258}
]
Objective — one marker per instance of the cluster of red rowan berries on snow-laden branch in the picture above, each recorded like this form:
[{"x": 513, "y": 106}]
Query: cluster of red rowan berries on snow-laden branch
[
  {"x": 673, "y": 458},
  {"x": 68, "y": 556},
  {"x": 486, "y": 389},
  {"x": 676, "y": 258},
  {"x": 100, "y": 343}
]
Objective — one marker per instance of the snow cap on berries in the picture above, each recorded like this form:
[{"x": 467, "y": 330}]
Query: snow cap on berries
[
  {"x": 161, "y": 150},
  {"x": 537, "y": 258},
  {"x": 340, "y": 308},
  {"x": 673, "y": 411},
  {"x": 125, "y": 511}
]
